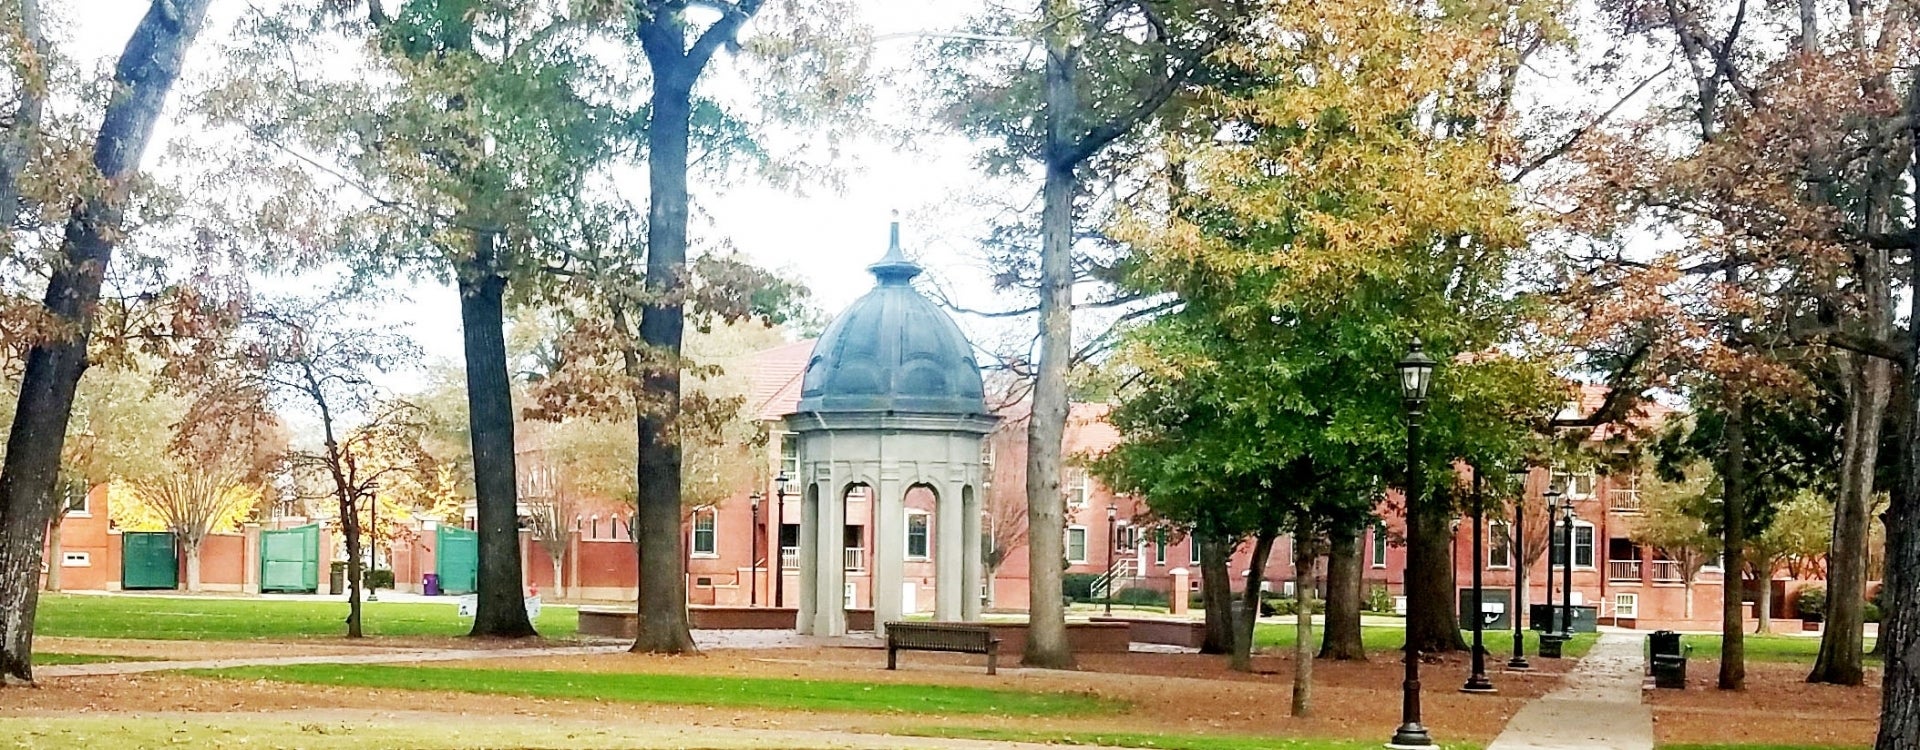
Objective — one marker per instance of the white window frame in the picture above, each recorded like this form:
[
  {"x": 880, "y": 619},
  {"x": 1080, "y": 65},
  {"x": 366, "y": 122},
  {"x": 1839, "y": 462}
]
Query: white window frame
[
  {"x": 1573, "y": 553},
  {"x": 1193, "y": 550},
  {"x": 1379, "y": 545},
  {"x": 1631, "y": 608},
  {"x": 1160, "y": 547},
  {"x": 1082, "y": 559},
  {"x": 85, "y": 507},
  {"x": 1502, "y": 542},
  {"x": 76, "y": 559},
  {"x": 926, "y": 534},
  {"x": 1569, "y": 482},
  {"x": 790, "y": 455},
  {"x": 713, "y": 533}
]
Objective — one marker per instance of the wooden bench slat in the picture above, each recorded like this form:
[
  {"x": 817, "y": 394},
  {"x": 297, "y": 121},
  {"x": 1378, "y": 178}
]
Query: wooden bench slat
[{"x": 966, "y": 639}]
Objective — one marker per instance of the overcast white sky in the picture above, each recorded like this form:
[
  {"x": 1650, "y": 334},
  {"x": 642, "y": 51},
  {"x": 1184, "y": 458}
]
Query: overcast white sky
[{"x": 824, "y": 238}]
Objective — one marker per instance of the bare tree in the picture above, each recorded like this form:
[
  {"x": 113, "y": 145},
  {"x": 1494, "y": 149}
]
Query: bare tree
[
  {"x": 552, "y": 509},
  {"x": 195, "y": 500}
]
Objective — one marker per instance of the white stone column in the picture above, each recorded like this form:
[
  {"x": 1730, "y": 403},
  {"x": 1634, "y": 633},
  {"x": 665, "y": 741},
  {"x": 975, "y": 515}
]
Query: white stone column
[
  {"x": 809, "y": 579},
  {"x": 889, "y": 550},
  {"x": 973, "y": 568},
  {"x": 830, "y": 560},
  {"x": 949, "y": 565}
]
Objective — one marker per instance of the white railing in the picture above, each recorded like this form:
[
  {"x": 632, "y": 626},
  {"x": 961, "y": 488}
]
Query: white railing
[
  {"x": 856, "y": 558},
  {"x": 1623, "y": 570},
  {"x": 1625, "y": 502},
  {"x": 1667, "y": 571},
  {"x": 789, "y": 558}
]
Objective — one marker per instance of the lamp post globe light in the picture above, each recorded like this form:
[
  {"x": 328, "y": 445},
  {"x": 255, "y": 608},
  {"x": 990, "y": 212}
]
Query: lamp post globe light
[
  {"x": 1416, "y": 377},
  {"x": 1517, "y": 539},
  {"x": 1550, "y": 635},
  {"x": 1566, "y": 590},
  {"x": 1477, "y": 681},
  {"x": 780, "y": 540}
]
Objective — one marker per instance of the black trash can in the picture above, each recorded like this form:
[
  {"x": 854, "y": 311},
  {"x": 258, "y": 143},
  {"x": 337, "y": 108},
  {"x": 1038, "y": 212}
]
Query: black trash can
[{"x": 1667, "y": 660}]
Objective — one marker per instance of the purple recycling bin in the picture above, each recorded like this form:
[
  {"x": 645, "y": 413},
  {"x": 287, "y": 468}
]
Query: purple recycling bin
[{"x": 430, "y": 584}]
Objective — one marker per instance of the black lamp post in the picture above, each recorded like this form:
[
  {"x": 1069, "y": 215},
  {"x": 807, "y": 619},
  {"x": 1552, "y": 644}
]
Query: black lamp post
[
  {"x": 753, "y": 555},
  {"x": 1549, "y": 636},
  {"x": 1416, "y": 375},
  {"x": 1477, "y": 681},
  {"x": 1517, "y": 541},
  {"x": 780, "y": 512},
  {"x": 1113, "y": 543},
  {"x": 1566, "y": 590}
]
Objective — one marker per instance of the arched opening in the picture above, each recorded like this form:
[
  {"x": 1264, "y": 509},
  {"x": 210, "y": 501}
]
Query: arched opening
[
  {"x": 856, "y": 539},
  {"x": 919, "y": 576}
]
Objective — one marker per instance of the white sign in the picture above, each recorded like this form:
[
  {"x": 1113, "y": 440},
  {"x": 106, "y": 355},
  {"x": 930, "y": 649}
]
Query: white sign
[{"x": 471, "y": 602}]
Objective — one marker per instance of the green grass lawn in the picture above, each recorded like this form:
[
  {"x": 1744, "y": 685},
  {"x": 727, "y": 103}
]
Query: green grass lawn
[
  {"x": 1158, "y": 741},
  {"x": 180, "y": 618},
  {"x": 1273, "y": 636},
  {"x": 700, "y": 690},
  {"x": 90, "y": 732},
  {"x": 1773, "y": 648},
  {"x": 44, "y": 660}
]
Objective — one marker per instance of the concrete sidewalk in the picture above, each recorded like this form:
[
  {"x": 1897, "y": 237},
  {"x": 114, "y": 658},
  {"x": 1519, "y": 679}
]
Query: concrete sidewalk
[{"x": 1598, "y": 707}]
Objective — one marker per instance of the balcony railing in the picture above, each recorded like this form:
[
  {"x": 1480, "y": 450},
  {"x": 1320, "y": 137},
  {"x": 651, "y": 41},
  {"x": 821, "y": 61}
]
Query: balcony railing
[
  {"x": 856, "y": 558},
  {"x": 1623, "y": 570},
  {"x": 1625, "y": 502},
  {"x": 1667, "y": 571}
]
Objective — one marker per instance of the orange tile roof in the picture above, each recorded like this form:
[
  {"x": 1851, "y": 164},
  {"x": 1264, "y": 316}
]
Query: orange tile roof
[{"x": 775, "y": 383}]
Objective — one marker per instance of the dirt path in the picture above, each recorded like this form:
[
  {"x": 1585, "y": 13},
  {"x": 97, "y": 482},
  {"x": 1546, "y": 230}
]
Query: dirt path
[
  {"x": 1598, "y": 708},
  {"x": 327, "y": 729},
  {"x": 384, "y": 657}
]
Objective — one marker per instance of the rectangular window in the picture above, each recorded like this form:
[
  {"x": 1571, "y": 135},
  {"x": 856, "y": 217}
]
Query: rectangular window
[
  {"x": 1499, "y": 545},
  {"x": 790, "y": 455},
  {"x": 917, "y": 536},
  {"x": 706, "y": 540},
  {"x": 1193, "y": 549},
  {"x": 1582, "y": 545},
  {"x": 76, "y": 559},
  {"x": 1076, "y": 544},
  {"x": 76, "y": 496},
  {"x": 1626, "y": 605},
  {"x": 1160, "y": 546},
  {"x": 1379, "y": 545},
  {"x": 1576, "y": 484}
]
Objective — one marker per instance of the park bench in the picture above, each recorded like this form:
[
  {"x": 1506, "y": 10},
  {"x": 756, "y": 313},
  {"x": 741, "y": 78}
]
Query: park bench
[{"x": 933, "y": 636}]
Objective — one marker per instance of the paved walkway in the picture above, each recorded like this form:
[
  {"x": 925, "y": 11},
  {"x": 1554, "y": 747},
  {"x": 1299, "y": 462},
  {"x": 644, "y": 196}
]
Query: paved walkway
[{"x": 1598, "y": 708}]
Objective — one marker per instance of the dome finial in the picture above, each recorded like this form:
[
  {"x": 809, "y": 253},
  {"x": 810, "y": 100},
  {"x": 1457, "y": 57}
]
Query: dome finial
[{"x": 894, "y": 266}]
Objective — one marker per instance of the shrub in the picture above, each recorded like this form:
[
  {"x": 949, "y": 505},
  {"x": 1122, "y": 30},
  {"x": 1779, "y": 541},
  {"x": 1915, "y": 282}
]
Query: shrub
[
  {"x": 1078, "y": 586},
  {"x": 379, "y": 579},
  {"x": 1870, "y": 612},
  {"x": 1140, "y": 597},
  {"x": 1379, "y": 599},
  {"x": 1811, "y": 603}
]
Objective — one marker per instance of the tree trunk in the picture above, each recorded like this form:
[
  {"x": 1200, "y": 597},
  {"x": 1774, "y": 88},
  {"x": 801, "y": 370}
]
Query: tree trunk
[
  {"x": 500, "y": 610},
  {"x": 1763, "y": 609},
  {"x": 1842, "y": 637},
  {"x": 1216, "y": 593},
  {"x": 1249, "y": 614},
  {"x": 1341, "y": 637},
  {"x": 23, "y": 134},
  {"x": 54, "y": 554},
  {"x": 1900, "y": 588},
  {"x": 663, "y": 580},
  {"x": 1431, "y": 624},
  {"x": 1733, "y": 520},
  {"x": 559, "y": 583},
  {"x": 193, "y": 565},
  {"x": 350, "y": 529},
  {"x": 145, "y": 73},
  {"x": 1046, "y": 429},
  {"x": 1303, "y": 558}
]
